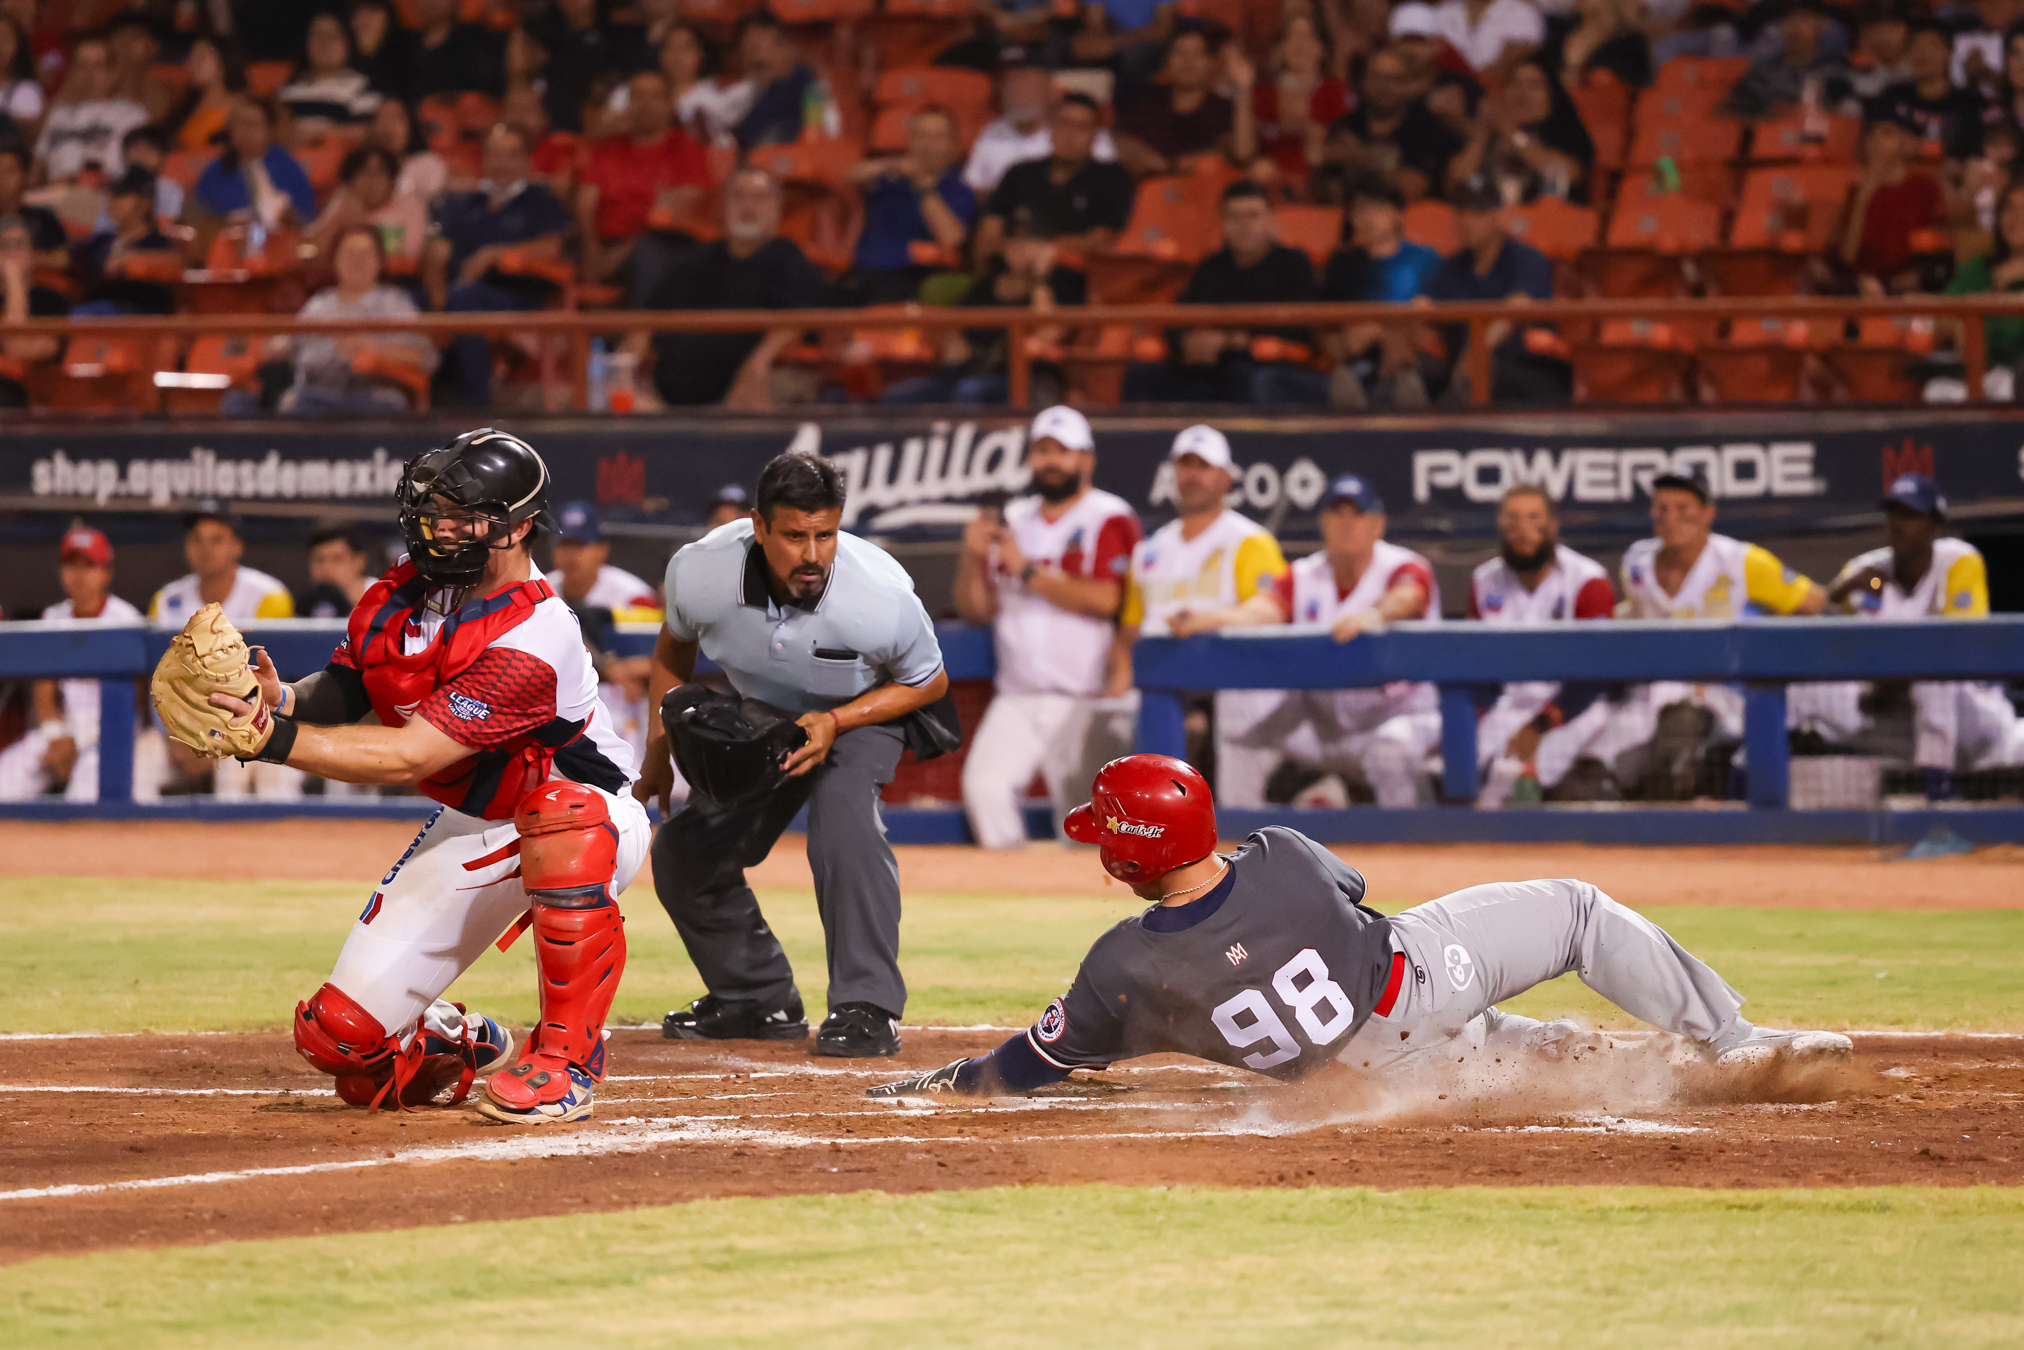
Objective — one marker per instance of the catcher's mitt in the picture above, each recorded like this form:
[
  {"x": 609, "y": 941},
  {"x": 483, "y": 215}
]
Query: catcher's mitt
[{"x": 209, "y": 657}]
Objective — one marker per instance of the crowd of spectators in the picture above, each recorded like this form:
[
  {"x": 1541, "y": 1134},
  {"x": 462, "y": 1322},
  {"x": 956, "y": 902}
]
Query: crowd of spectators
[{"x": 515, "y": 155}]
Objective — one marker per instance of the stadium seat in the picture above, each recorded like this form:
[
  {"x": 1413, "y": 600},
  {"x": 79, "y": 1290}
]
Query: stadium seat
[
  {"x": 216, "y": 362},
  {"x": 819, "y": 11},
  {"x": 718, "y": 16},
  {"x": 1833, "y": 140},
  {"x": 1634, "y": 361},
  {"x": 1684, "y": 103},
  {"x": 1647, "y": 244},
  {"x": 1169, "y": 221},
  {"x": 915, "y": 86},
  {"x": 1557, "y": 228},
  {"x": 1315, "y": 229},
  {"x": 103, "y": 375},
  {"x": 1699, "y": 72},
  {"x": 1685, "y": 140},
  {"x": 914, "y": 32},
  {"x": 1603, "y": 101},
  {"x": 267, "y": 77},
  {"x": 814, "y": 162},
  {"x": 1432, "y": 223},
  {"x": 1751, "y": 372},
  {"x": 1796, "y": 207}
]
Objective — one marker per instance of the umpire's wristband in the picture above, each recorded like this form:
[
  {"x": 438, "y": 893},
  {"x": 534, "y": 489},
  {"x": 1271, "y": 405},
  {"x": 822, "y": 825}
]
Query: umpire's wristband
[{"x": 278, "y": 745}]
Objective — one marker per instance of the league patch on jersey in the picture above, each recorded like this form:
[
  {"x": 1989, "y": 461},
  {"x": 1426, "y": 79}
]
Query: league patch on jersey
[
  {"x": 1313, "y": 611},
  {"x": 1133, "y": 827},
  {"x": 467, "y": 708},
  {"x": 1052, "y": 1022},
  {"x": 1964, "y": 600},
  {"x": 1560, "y": 607},
  {"x": 1461, "y": 970},
  {"x": 1494, "y": 603}
]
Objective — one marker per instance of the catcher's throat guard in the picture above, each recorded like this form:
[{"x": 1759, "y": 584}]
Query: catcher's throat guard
[{"x": 728, "y": 748}]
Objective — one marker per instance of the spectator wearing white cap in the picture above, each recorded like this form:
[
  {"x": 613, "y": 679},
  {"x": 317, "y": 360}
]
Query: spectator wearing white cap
[
  {"x": 1207, "y": 560},
  {"x": 1048, "y": 576},
  {"x": 61, "y": 750},
  {"x": 1493, "y": 35},
  {"x": 1356, "y": 584}
]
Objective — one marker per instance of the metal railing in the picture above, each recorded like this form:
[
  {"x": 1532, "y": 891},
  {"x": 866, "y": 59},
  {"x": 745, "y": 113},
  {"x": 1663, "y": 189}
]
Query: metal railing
[{"x": 577, "y": 328}]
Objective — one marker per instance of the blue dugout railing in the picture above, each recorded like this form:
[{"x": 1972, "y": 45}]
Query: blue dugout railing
[{"x": 1762, "y": 655}]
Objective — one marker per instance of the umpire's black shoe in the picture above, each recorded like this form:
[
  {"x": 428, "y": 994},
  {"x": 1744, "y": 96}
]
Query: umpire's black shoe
[
  {"x": 858, "y": 1031},
  {"x": 710, "y": 1018}
]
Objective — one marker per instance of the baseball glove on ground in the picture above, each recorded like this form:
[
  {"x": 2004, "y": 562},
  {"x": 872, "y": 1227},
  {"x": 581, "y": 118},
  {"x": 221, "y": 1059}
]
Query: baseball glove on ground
[{"x": 209, "y": 657}]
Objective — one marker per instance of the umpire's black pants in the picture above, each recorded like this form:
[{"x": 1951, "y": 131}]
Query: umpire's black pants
[{"x": 701, "y": 853}]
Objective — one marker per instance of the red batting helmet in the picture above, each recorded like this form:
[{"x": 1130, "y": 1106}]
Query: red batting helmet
[{"x": 1150, "y": 814}]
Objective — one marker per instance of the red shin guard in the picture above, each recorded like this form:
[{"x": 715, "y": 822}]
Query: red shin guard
[
  {"x": 568, "y": 854},
  {"x": 339, "y": 1037}
]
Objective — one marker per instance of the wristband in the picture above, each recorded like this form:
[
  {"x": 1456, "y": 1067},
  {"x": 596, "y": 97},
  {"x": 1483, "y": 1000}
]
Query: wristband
[
  {"x": 835, "y": 722},
  {"x": 287, "y": 700},
  {"x": 278, "y": 744},
  {"x": 54, "y": 728}
]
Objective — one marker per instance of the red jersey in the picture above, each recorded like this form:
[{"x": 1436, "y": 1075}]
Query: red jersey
[
  {"x": 506, "y": 675},
  {"x": 629, "y": 177}
]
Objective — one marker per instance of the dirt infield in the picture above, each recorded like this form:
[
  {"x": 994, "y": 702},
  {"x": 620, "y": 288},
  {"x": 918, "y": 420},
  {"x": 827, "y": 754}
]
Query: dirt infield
[
  {"x": 1759, "y": 877},
  {"x": 159, "y": 1140}
]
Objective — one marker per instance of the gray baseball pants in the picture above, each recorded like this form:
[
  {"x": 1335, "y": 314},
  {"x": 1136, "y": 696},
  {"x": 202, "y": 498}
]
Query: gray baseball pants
[
  {"x": 701, "y": 853},
  {"x": 1466, "y": 951}
]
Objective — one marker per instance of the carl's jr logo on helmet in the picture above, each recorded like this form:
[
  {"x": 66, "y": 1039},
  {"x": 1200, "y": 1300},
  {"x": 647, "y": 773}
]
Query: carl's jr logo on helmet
[{"x": 1133, "y": 827}]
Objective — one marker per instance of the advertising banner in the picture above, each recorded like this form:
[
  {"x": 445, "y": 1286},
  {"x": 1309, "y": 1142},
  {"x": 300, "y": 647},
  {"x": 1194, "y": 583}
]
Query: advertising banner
[{"x": 1772, "y": 473}]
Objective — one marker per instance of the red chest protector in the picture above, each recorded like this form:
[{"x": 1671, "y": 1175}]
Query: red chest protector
[{"x": 490, "y": 783}]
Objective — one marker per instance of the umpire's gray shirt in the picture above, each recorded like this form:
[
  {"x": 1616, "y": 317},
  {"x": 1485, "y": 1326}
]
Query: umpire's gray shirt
[{"x": 868, "y": 628}]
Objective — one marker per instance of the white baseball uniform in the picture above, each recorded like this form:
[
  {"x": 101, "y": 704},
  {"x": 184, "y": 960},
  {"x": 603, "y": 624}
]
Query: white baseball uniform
[
  {"x": 1224, "y": 565},
  {"x": 1956, "y": 724},
  {"x": 1730, "y": 580},
  {"x": 630, "y": 599},
  {"x": 254, "y": 596},
  {"x": 22, "y": 776},
  {"x": 1381, "y": 734},
  {"x": 1574, "y": 586},
  {"x": 1050, "y": 665},
  {"x": 526, "y": 704}
]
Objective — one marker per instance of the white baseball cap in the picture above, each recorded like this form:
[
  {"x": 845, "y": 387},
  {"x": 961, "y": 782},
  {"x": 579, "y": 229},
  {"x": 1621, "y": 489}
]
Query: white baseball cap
[
  {"x": 1414, "y": 19},
  {"x": 1204, "y": 443},
  {"x": 1063, "y": 423}
]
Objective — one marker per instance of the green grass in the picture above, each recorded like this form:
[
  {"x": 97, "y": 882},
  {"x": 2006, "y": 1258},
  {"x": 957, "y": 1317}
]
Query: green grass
[
  {"x": 113, "y": 954},
  {"x": 1097, "y": 1266}
]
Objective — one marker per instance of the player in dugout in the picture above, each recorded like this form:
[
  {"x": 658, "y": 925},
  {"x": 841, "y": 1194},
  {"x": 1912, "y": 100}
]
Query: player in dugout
[
  {"x": 1267, "y": 959},
  {"x": 1649, "y": 745}
]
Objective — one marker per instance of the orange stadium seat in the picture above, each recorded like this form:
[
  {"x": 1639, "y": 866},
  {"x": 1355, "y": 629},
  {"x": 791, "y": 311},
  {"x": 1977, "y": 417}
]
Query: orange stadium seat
[
  {"x": 1647, "y": 242},
  {"x": 1796, "y": 207},
  {"x": 1835, "y": 140},
  {"x": 1315, "y": 229},
  {"x": 914, "y": 32},
  {"x": 267, "y": 77},
  {"x": 217, "y": 362},
  {"x": 1685, "y": 140},
  {"x": 1635, "y": 361},
  {"x": 1698, "y": 72},
  {"x": 1603, "y": 101},
  {"x": 1683, "y": 103},
  {"x": 1559, "y": 229},
  {"x": 1431, "y": 223},
  {"x": 1750, "y": 372},
  {"x": 909, "y": 87},
  {"x": 1168, "y": 222},
  {"x": 819, "y": 11},
  {"x": 720, "y": 15}
]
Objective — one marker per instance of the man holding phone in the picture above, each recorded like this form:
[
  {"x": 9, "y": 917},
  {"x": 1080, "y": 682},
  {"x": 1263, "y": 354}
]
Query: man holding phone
[{"x": 1047, "y": 573}]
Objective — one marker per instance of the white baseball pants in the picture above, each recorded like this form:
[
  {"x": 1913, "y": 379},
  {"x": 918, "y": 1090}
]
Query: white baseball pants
[
  {"x": 1024, "y": 734},
  {"x": 444, "y": 902},
  {"x": 1464, "y": 952}
]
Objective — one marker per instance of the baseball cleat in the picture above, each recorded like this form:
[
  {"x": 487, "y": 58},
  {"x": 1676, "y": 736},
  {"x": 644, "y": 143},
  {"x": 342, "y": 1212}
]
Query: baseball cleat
[
  {"x": 514, "y": 1096},
  {"x": 933, "y": 1083},
  {"x": 711, "y": 1018},
  {"x": 858, "y": 1031},
  {"x": 1764, "y": 1046}
]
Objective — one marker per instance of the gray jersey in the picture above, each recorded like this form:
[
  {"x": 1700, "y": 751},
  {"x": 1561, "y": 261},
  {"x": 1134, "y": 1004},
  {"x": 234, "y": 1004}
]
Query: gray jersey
[
  {"x": 868, "y": 628},
  {"x": 1276, "y": 979}
]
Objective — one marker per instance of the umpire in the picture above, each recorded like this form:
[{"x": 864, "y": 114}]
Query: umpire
[{"x": 830, "y": 652}]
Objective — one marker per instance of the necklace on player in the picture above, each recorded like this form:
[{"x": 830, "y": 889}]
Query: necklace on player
[{"x": 1221, "y": 872}]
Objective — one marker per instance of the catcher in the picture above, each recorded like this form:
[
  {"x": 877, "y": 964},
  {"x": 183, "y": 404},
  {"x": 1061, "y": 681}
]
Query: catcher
[
  {"x": 464, "y": 674},
  {"x": 1267, "y": 959}
]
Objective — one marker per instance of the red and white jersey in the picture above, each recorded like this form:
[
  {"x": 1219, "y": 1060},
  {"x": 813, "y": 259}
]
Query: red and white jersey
[
  {"x": 1575, "y": 587},
  {"x": 1308, "y": 593},
  {"x": 1043, "y": 648},
  {"x": 507, "y": 675},
  {"x": 629, "y": 598}
]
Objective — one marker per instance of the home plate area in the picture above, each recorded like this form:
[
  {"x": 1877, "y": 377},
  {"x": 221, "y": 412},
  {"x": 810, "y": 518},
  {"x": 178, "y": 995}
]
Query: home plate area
[{"x": 152, "y": 1140}]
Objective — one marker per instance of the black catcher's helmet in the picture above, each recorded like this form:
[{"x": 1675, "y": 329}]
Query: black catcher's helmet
[{"x": 487, "y": 480}]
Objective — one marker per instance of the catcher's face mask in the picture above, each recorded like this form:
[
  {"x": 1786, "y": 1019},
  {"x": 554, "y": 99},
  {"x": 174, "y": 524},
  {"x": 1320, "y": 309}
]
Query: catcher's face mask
[{"x": 453, "y": 512}]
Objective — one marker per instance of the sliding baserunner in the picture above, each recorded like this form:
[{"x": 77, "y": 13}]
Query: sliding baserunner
[{"x": 1267, "y": 959}]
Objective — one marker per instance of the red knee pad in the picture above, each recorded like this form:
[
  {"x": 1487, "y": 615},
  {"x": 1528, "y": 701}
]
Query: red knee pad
[
  {"x": 580, "y": 954},
  {"x": 568, "y": 845},
  {"x": 337, "y": 1036}
]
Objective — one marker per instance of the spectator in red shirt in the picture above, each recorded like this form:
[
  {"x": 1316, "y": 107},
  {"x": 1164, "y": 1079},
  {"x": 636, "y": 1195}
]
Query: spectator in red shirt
[
  {"x": 1295, "y": 107},
  {"x": 655, "y": 165},
  {"x": 1893, "y": 200}
]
